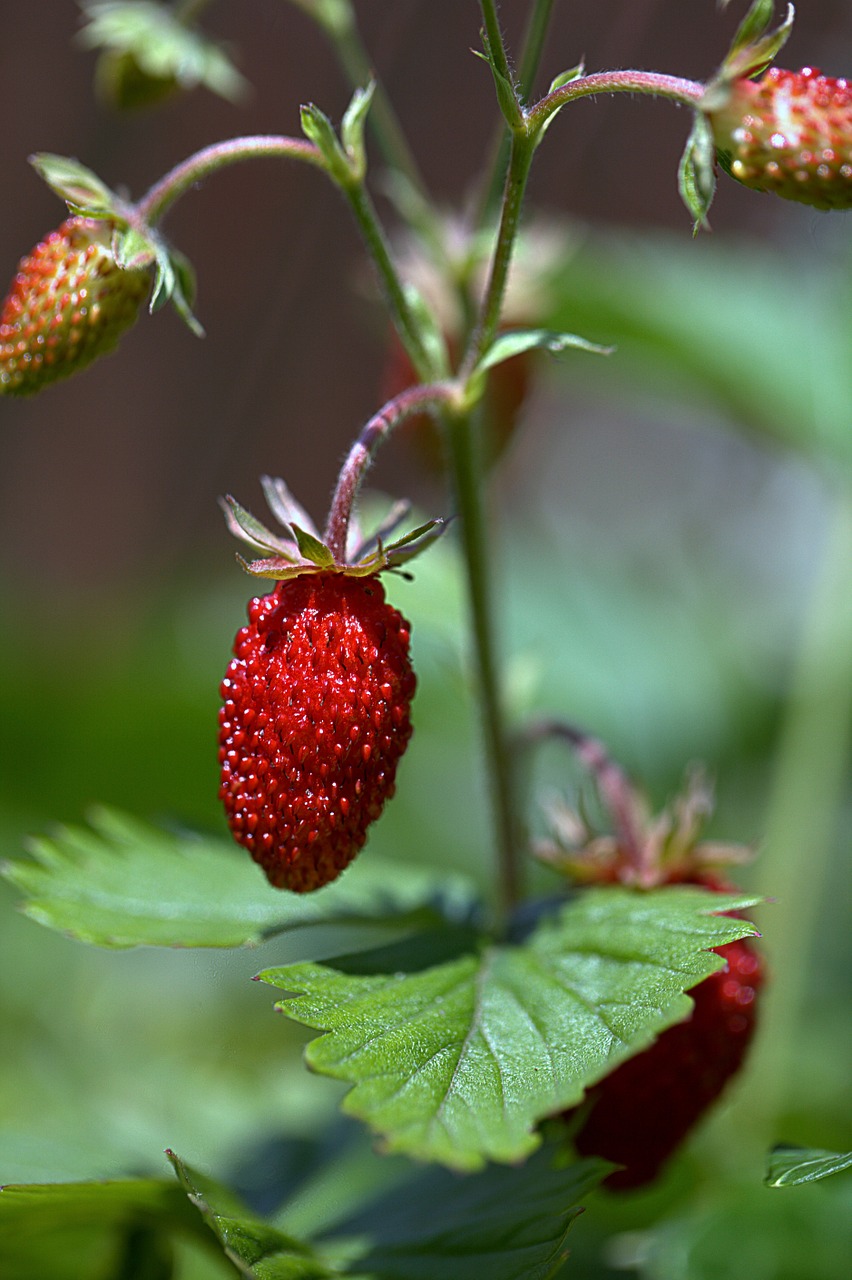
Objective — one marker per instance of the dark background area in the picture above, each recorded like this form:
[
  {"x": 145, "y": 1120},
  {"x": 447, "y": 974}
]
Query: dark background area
[{"x": 113, "y": 477}]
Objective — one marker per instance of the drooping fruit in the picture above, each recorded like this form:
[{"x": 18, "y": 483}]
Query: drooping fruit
[
  {"x": 640, "y": 1114},
  {"x": 69, "y": 303},
  {"x": 789, "y": 132},
  {"x": 314, "y": 722}
]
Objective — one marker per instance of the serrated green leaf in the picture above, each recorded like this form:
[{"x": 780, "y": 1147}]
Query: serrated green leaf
[
  {"x": 459, "y": 1062},
  {"x": 793, "y": 1166},
  {"x": 503, "y": 1224},
  {"x": 697, "y": 173},
  {"x": 515, "y": 342},
  {"x": 122, "y": 883},
  {"x": 258, "y": 1250},
  {"x": 81, "y": 189}
]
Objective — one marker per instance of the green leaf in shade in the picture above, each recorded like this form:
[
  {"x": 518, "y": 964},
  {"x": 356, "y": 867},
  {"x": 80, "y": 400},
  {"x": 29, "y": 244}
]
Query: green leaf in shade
[
  {"x": 792, "y": 1166},
  {"x": 458, "y": 1063},
  {"x": 312, "y": 548},
  {"x": 122, "y": 883},
  {"x": 504, "y": 1223},
  {"x": 76, "y": 1230},
  {"x": 516, "y": 341},
  {"x": 255, "y": 1248}
]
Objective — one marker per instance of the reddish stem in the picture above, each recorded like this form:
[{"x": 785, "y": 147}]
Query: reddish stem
[{"x": 415, "y": 399}]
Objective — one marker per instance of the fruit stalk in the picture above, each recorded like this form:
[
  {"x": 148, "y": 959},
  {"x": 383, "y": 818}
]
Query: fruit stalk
[
  {"x": 466, "y": 461},
  {"x": 376, "y": 431},
  {"x": 653, "y": 83},
  {"x": 163, "y": 194}
]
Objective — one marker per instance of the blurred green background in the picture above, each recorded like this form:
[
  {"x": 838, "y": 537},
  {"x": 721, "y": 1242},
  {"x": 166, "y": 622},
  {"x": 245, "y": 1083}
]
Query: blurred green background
[{"x": 674, "y": 553}]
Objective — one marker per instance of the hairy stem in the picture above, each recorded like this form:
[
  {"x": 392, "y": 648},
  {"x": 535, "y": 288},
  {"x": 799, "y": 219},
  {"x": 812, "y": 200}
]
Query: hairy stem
[
  {"x": 376, "y": 431},
  {"x": 520, "y": 159},
  {"x": 652, "y": 83},
  {"x": 219, "y": 155}
]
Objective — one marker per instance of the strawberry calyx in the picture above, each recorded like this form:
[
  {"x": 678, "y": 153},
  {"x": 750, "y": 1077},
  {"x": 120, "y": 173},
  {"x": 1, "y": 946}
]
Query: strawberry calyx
[
  {"x": 135, "y": 243},
  {"x": 301, "y": 549},
  {"x": 643, "y": 849}
]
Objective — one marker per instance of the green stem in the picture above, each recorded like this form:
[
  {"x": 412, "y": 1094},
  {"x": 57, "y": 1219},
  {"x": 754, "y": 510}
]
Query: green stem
[
  {"x": 494, "y": 36},
  {"x": 467, "y": 473},
  {"x": 533, "y": 44},
  {"x": 404, "y": 318},
  {"x": 532, "y": 48},
  {"x": 520, "y": 159},
  {"x": 155, "y": 203},
  {"x": 341, "y": 26}
]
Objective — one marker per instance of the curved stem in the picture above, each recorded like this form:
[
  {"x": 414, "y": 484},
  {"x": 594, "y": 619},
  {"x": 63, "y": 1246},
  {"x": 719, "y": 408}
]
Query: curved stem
[
  {"x": 653, "y": 83},
  {"x": 219, "y": 155},
  {"x": 376, "y": 431},
  {"x": 403, "y": 316}
]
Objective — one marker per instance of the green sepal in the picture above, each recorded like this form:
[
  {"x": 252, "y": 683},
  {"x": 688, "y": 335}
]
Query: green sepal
[
  {"x": 311, "y": 549},
  {"x": 507, "y": 94},
  {"x": 352, "y": 128},
  {"x": 319, "y": 130},
  {"x": 515, "y": 342},
  {"x": 248, "y": 528},
  {"x": 174, "y": 282},
  {"x": 80, "y": 188},
  {"x": 133, "y": 248},
  {"x": 565, "y": 78},
  {"x": 793, "y": 1166},
  {"x": 394, "y": 554},
  {"x": 752, "y": 50},
  {"x": 697, "y": 172}
]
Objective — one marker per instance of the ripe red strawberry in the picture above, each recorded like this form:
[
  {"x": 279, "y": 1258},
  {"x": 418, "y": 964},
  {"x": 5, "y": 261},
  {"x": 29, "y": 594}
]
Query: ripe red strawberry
[
  {"x": 791, "y": 133},
  {"x": 641, "y": 1113},
  {"x": 315, "y": 719},
  {"x": 69, "y": 303}
]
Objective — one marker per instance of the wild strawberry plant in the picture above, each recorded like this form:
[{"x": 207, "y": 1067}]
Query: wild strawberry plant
[{"x": 508, "y": 1041}]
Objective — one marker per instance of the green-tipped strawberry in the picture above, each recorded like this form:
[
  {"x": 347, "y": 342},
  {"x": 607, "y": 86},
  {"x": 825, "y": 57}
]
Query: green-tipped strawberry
[
  {"x": 70, "y": 302},
  {"x": 315, "y": 714},
  {"x": 789, "y": 132}
]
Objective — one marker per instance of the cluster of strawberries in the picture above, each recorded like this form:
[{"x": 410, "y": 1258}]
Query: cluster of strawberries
[{"x": 316, "y": 710}]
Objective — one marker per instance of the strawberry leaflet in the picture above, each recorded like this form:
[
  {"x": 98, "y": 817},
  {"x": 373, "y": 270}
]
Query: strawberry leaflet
[{"x": 459, "y": 1062}]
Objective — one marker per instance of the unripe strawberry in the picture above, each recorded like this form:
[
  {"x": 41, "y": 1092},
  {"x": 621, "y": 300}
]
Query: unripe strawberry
[
  {"x": 69, "y": 303},
  {"x": 789, "y": 132},
  {"x": 640, "y": 1114},
  {"x": 314, "y": 722}
]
